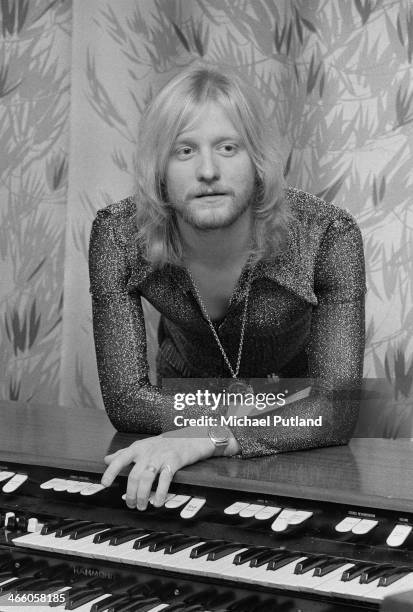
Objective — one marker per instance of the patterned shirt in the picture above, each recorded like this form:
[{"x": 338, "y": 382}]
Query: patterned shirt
[{"x": 305, "y": 319}]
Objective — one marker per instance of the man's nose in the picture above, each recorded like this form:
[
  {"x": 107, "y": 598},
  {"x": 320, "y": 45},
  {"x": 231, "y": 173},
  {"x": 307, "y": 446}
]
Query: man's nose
[{"x": 207, "y": 168}]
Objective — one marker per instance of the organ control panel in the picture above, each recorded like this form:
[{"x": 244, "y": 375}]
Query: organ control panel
[{"x": 323, "y": 530}]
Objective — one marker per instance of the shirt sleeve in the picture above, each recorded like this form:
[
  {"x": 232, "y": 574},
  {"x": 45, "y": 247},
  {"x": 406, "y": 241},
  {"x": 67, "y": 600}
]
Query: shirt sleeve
[
  {"x": 131, "y": 402},
  {"x": 335, "y": 352}
]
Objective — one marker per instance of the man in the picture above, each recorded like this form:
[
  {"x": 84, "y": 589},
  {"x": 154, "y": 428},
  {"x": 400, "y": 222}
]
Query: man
[{"x": 250, "y": 278}]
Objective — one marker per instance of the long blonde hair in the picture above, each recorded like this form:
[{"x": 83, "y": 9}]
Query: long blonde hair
[{"x": 165, "y": 117}]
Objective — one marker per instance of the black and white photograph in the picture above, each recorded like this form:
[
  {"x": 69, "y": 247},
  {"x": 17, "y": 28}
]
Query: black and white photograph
[{"x": 206, "y": 305}]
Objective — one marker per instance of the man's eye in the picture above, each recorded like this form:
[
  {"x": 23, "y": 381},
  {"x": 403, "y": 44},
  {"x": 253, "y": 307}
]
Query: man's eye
[
  {"x": 184, "y": 152},
  {"x": 228, "y": 148}
]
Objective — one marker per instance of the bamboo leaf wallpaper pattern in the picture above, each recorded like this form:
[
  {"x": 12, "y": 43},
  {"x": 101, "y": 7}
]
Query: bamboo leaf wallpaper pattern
[
  {"x": 336, "y": 80},
  {"x": 34, "y": 105}
]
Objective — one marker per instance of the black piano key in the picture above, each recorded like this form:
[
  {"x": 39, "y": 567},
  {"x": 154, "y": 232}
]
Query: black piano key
[
  {"x": 248, "y": 555},
  {"x": 276, "y": 564},
  {"x": 267, "y": 604},
  {"x": 108, "y": 604},
  {"x": 148, "y": 604},
  {"x": 265, "y": 557},
  {"x": 11, "y": 523},
  {"x": 309, "y": 564},
  {"x": 70, "y": 528},
  {"x": 223, "y": 551},
  {"x": 60, "y": 571},
  {"x": 104, "y": 536},
  {"x": 325, "y": 567},
  {"x": 18, "y": 584},
  {"x": 151, "y": 538},
  {"x": 5, "y": 561},
  {"x": 21, "y": 523},
  {"x": 53, "y": 525},
  {"x": 188, "y": 542},
  {"x": 87, "y": 530},
  {"x": 170, "y": 539},
  {"x": 142, "y": 590},
  {"x": 132, "y": 604},
  {"x": 35, "y": 584},
  {"x": 245, "y": 605},
  {"x": 356, "y": 571},
  {"x": 127, "y": 536},
  {"x": 200, "y": 597},
  {"x": 53, "y": 585},
  {"x": 373, "y": 573},
  {"x": 206, "y": 548},
  {"x": 3, "y": 588},
  {"x": 178, "y": 606},
  {"x": 393, "y": 576},
  {"x": 75, "y": 600}
]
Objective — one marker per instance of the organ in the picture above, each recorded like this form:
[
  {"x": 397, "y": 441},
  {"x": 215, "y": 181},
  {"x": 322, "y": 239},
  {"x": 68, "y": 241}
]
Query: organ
[{"x": 322, "y": 530}]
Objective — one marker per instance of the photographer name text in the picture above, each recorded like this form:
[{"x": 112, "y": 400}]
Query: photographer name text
[{"x": 248, "y": 421}]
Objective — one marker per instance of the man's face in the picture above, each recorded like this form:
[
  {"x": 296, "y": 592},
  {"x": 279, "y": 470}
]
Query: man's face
[{"x": 209, "y": 174}]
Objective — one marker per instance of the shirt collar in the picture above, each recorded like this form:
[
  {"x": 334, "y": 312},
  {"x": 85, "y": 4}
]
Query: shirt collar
[{"x": 287, "y": 269}]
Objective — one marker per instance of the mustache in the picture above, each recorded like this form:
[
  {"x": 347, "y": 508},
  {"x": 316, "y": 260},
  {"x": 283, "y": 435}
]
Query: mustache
[{"x": 206, "y": 191}]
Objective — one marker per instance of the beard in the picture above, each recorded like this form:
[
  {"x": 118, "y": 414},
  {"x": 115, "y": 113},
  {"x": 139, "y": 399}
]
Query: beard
[{"x": 204, "y": 216}]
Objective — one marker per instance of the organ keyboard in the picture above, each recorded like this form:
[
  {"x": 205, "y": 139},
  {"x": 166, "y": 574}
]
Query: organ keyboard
[{"x": 307, "y": 531}]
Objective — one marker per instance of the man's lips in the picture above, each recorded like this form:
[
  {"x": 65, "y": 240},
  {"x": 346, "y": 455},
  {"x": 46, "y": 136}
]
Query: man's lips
[{"x": 209, "y": 194}]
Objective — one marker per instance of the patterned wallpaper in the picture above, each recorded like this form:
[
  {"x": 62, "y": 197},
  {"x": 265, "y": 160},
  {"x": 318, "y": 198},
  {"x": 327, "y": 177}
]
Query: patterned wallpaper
[
  {"x": 35, "y": 47},
  {"x": 336, "y": 79}
]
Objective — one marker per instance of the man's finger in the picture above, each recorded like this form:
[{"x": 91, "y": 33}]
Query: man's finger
[
  {"x": 117, "y": 463},
  {"x": 165, "y": 478},
  {"x": 147, "y": 476}
]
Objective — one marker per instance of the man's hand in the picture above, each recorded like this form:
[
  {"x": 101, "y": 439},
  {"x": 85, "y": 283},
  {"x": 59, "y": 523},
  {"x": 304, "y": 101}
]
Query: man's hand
[{"x": 159, "y": 455}]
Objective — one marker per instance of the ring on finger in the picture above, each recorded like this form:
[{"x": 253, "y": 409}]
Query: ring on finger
[{"x": 151, "y": 468}]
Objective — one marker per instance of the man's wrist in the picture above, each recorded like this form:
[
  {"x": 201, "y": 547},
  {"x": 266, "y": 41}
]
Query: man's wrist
[{"x": 233, "y": 447}]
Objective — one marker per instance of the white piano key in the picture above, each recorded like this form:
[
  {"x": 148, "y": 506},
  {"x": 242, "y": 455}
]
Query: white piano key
[
  {"x": 347, "y": 524},
  {"x": 61, "y": 485},
  {"x": 351, "y": 589},
  {"x": 235, "y": 508},
  {"x": 282, "y": 521},
  {"x": 92, "y": 489},
  {"x": 76, "y": 486},
  {"x": 14, "y": 483},
  {"x": 33, "y": 525},
  {"x": 177, "y": 501},
  {"x": 266, "y": 513},
  {"x": 8, "y": 517},
  {"x": 364, "y": 526},
  {"x": 404, "y": 584},
  {"x": 398, "y": 535},
  {"x": 299, "y": 517},
  {"x": 49, "y": 484},
  {"x": 193, "y": 507},
  {"x": 250, "y": 510},
  {"x": 283, "y": 577}
]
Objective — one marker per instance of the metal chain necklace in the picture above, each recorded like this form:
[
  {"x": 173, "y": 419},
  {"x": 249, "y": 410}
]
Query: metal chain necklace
[{"x": 237, "y": 386}]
